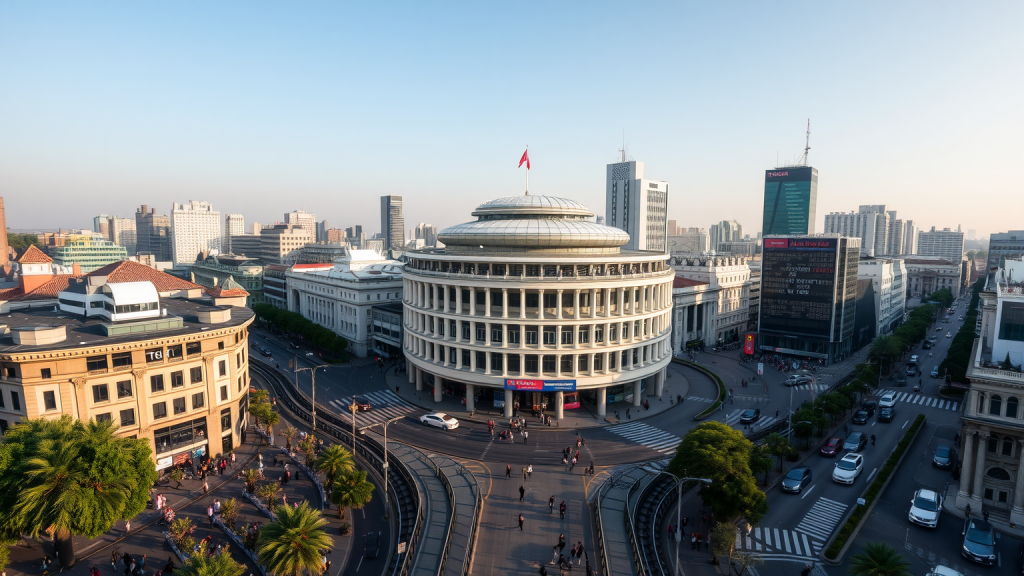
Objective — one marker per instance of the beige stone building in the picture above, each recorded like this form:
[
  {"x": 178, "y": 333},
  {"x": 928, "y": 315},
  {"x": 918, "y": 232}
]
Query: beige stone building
[{"x": 163, "y": 358}]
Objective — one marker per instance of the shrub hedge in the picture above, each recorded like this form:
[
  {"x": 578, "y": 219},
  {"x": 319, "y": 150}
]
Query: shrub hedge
[
  {"x": 872, "y": 492},
  {"x": 721, "y": 386}
]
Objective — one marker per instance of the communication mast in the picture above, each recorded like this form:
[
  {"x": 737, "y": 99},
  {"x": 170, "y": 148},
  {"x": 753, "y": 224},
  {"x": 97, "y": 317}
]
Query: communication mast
[{"x": 807, "y": 145}]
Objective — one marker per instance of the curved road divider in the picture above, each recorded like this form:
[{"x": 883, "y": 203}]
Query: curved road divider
[
  {"x": 841, "y": 540},
  {"x": 714, "y": 377}
]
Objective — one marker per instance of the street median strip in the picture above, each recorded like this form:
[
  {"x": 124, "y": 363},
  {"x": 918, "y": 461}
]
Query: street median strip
[{"x": 721, "y": 386}]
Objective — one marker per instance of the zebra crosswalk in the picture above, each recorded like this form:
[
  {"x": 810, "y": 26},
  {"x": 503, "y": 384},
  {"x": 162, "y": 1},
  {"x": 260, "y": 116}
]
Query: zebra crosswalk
[
  {"x": 648, "y": 436},
  {"x": 822, "y": 519},
  {"x": 699, "y": 399},
  {"x": 922, "y": 400},
  {"x": 386, "y": 405},
  {"x": 733, "y": 419},
  {"x": 814, "y": 387},
  {"x": 776, "y": 541}
]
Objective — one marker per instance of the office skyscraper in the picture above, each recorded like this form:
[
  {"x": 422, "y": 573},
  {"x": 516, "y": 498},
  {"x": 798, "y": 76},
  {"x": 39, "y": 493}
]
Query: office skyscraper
[
  {"x": 1005, "y": 245},
  {"x": 392, "y": 222},
  {"x": 870, "y": 223},
  {"x": 790, "y": 200},
  {"x": 637, "y": 205},
  {"x": 153, "y": 233},
  {"x": 234, "y": 225},
  {"x": 195, "y": 228},
  {"x": 945, "y": 243}
]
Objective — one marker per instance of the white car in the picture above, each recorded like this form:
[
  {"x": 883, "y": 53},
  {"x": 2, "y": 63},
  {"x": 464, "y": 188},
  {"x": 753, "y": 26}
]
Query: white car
[
  {"x": 925, "y": 508},
  {"x": 797, "y": 380},
  {"x": 941, "y": 570},
  {"x": 888, "y": 400},
  {"x": 440, "y": 420},
  {"x": 848, "y": 468}
]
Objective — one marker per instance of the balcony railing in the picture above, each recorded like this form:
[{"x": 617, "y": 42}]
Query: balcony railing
[{"x": 546, "y": 278}]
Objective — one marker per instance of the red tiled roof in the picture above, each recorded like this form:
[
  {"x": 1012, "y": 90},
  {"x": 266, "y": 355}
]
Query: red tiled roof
[
  {"x": 680, "y": 282},
  {"x": 129, "y": 271},
  {"x": 47, "y": 291},
  {"x": 229, "y": 289},
  {"x": 311, "y": 266},
  {"x": 34, "y": 256}
]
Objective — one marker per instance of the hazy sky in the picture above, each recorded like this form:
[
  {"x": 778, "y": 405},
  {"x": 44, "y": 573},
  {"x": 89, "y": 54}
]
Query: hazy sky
[{"x": 266, "y": 107}]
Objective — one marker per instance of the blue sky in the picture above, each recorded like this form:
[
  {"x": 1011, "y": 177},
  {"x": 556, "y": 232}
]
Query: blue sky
[{"x": 266, "y": 107}]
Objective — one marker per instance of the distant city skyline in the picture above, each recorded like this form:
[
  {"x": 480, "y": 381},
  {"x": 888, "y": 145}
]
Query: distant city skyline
[{"x": 106, "y": 109}]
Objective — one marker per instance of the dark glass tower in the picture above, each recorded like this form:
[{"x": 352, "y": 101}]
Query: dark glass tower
[{"x": 790, "y": 200}]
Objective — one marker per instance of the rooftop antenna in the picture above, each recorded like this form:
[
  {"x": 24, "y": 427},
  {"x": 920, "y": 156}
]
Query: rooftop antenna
[
  {"x": 807, "y": 145},
  {"x": 622, "y": 150}
]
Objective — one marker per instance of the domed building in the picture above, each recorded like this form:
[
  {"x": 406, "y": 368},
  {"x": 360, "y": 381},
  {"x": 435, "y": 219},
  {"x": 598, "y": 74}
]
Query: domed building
[{"x": 534, "y": 304}]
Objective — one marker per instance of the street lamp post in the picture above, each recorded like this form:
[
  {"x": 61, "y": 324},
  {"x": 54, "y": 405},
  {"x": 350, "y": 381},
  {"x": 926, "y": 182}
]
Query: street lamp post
[
  {"x": 679, "y": 506},
  {"x": 385, "y": 425},
  {"x": 790, "y": 415},
  {"x": 312, "y": 374}
]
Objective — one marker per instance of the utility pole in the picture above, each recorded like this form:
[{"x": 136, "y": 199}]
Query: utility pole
[
  {"x": 385, "y": 424},
  {"x": 312, "y": 372}
]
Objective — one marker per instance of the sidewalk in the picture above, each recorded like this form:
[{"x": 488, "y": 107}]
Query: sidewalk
[{"x": 585, "y": 416}]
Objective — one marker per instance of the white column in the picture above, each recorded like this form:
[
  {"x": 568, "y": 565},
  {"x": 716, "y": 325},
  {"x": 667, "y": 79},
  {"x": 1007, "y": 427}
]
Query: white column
[
  {"x": 472, "y": 360},
  {"x": 522, "y": 303},
  {"x": 504, "y": 335},
  {"x": 472, "y": 301},
  {"x": 602, "y": 401},
  {"x": 592, "y": 337},
  {"x": 437, "y": 389},
  {"x": 504, "y": 364},
  {"x": 419, "y": 379},
  {"x": 470, "y": 404},
  {"x": 487, "y": 362},
  {"x": 607, "y": 302},
  {"x": 576, "y": 304},
  {"x": 622, "y": 302},
  {"x": 487, "y": 334},
  {"x": 540, "y": 303},
  {"x": 508, "y": 403},
  {"x": 558, "y": 336},
  {"x": 459, "y": 353},
  {"x": 575, "y": 365},
  {"x": 447, "y": 304},
  {"x": 979, "y": 468},
  {"x": 558, "y": 365},
  {"x": 409, "y": 370},
  {"x": 659, "y": 383},
  {"x": 559, "y": 405},
  {"x": 487, "y": 303},
  {"x": 593, "y": 303},
  {"x": 433, "y": 297},
  {"x": 504, "y": 302},
  {"x": 636, "y": 393}
]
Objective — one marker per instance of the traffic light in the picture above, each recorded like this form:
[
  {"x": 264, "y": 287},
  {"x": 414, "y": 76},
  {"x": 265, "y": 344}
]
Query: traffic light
[{"x": 291, "y": 364}]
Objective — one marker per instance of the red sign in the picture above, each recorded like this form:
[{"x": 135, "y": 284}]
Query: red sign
[
  {"x": 519, "y": 384},
  {"x": 776, "y": 242},
  {"x": 748, "y": 343},
  {"x": 777, "y": 174}
]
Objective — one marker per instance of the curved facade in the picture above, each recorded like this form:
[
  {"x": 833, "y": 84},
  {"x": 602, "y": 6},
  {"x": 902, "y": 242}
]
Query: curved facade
[{"x": 534, "y": 304}]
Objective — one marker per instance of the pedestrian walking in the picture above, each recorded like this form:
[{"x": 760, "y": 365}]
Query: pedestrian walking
[
  {"x": 579, "y": 553},
  {"x": 206, "y": 487},
  {"x": 561, "y": 510},
  {"x": 520, "y": 522},
  {"x": 551, "y": 504},
  {"x": 693, "y": 540},
  {"x": 526, "y": 436},
  {"x": 543, "y": 570},
  {"x": 776, "y": 412},
  {"x": 529, "y": 470},
  {"x": 524, "y": 473},
  {"x": 561, "y": 542},
  {"x": 508, "y": 471},
  {"x": 209, "y": 513},
  {"x": 216, "y": 506},
  {"x": 522, "y": 493},
  {"x": 127, "y": 526}
]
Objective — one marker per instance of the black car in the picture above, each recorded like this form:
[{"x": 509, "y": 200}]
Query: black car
[
  {"x": 861, "y": 417},
  {"x": 265, "y": 352},
  {"x": 869, "y": 407},
  {"x": 750, "y": 415},
  {"x": 855, "y": 442},
  {"x": 901, "y": 380},
  {"x": 944, "y": 457},
  {"x": 796, "y": 479},
  {"x": 886, "y": 414},
  {"x": 926, "y": 345},
  {"x": 294, "y": 345},
  {"x": 979, "y": 542},
  {"x": 371, "y": 548}
]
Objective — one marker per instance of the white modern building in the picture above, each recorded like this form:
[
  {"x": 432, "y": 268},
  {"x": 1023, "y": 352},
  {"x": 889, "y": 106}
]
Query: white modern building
[
  {"x": 870, "y": 223},
  {"x": 302, "y": 219},
  {"x": 992, "y": 476},
  {"x": 726, "y": 231},
  {"x": 122, "y": 233},
  {"x": 195, "y": 228},
  {"x": 945, "y": 243},
  {"x": 637, "y": 206},
  {"x": 536, "y": 304},
  {"x": 888, "y": 278},
  {"x": 694, "y": 307},
  {"x": 729, "y": 278},
  {"x": 339, "y": 296},
  {"x": 695, "y": 242},
  {"x": 234, "y": 225}
]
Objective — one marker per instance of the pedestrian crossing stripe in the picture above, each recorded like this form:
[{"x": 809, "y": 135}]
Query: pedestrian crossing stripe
[
  {"x": 386, "y": 405},
  {"x": 921, "y": 400},
  {"x": 697, "y": 399},
  {"x": 648, "y": 436},
  {"x": 733, "y": 420},
  {"x": 778, "y": 541},
  {"x": 815, "y": 387},
  {"x": 821, "y": 520}
]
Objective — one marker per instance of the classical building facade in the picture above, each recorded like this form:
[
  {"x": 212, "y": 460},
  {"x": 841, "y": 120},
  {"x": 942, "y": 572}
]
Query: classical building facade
[
  {"x": 537, "y": 305},
  {"x": 340, "y": 296},
  {"x": 992, "y": 476},
  {"x": 160, "y": 356},
  {"x": 729, "y": 277},
  {"x": 694, "y": 306},
  {"x": 928, "y": 274}
]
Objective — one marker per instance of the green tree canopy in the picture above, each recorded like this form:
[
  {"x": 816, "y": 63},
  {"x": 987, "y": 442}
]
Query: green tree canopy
[
  {"x": 351, "y": 490},
  {"x": 21, "y": 241},
  {"x": 885, "y": 348},
  {"x": 715, "y": 451},
  {"x": 203, "y": 564},
  {"x": 333, "y": 461},
  {"x": 74, "y": 477},
  {"x": 291, "y": 545},
  {"x": 294, "y": 323},
  {"x": 878, "y": 559},
  {"x": 943, "y": 296}
]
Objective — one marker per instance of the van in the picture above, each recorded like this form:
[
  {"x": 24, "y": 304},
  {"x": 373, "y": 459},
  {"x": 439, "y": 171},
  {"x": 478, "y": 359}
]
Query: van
[
  {"x": 913, "y": 359},
  {"x": 935, "y": 372}
]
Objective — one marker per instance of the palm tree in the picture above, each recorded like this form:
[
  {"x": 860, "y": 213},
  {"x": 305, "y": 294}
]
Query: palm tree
[
  {"x": 351, "y": 490},
  {"x": 333, "y": 461},
  {"x": 73, "y": 478},
  {"x": 885, "y": 347},
  {"x": 271, "y": 420},
  {"x": 250, "y": 477},
  {"x": 291, "y": 545},
  {"x": 878, "y": 559},
  {"x": 203, "y": 564},
  {"x": 289, "y": 433}
]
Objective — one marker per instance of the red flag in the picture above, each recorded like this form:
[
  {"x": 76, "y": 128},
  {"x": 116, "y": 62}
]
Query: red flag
[{"x": 525, "y": 158}]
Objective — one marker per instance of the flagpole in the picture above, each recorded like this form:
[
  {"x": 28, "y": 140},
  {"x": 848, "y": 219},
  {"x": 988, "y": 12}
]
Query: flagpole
[{"x": 527, "y": 171}]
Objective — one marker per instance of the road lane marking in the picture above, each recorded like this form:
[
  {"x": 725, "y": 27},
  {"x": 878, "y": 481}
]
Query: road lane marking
[
  {"x": 905, "y": 424},
  {"x": 807, "y": 492},
  {"x": 870, "y": 475}
]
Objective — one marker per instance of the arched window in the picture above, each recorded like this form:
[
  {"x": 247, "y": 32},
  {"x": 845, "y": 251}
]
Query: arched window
[
  {"x": 998, "y": 474},
  {"x": 995, "y": 405},
  {"x": 1007, "y": 447},
  {"x": 1011, "y": 407},
  {"x": 993, "y": 444}
]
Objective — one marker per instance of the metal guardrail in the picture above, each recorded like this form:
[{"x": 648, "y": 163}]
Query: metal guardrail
[
  {"x": 451, "y": 523},
  {"x": 476, "y": 523},
  {"x": 369, "y": 450},
  {"x": 634, "y": 544},
  {"x": 659, "y": 513}
]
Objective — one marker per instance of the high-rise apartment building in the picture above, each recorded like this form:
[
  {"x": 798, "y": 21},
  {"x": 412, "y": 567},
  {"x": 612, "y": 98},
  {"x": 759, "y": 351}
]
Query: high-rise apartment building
[
  {"x": 790, "y": 200},
  {"x": 909, "y": 238},
  {"x": 281, "y": 243},
  {"x": 1003, "y": 246},
  {"x": 335, "y": 235},
  {"x": 637, "y": 205},
  {"x": 256, "y": 228},
  {"x": 234, "y": 225},
  {"x": 894, "y": 245},
  {"x": 195, "y": 228},
  {"x": 945, "y": 243},
  {"x": 153, "y": 233},
  {"x": 123, "y": 233},
  {"x": 101, "y": 224},
  {"x": 321, "y": 231},
  {"x": 427, "y": 233},
  {"x": 725, "y": 231},
  {"x": 392, "y": 222},
  {"x": 4, "y": 258},
  {"x": 870, "y": 223},
  {"x": 302, "y": 219}
]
